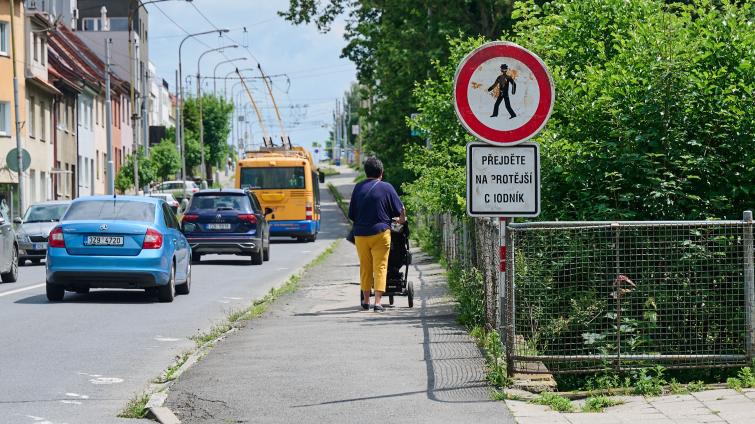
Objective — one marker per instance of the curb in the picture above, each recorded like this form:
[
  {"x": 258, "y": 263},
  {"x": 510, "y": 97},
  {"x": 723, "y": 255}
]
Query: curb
[
  {"x": 163, "y": 414},
  {"x": 159, "y": 391}
]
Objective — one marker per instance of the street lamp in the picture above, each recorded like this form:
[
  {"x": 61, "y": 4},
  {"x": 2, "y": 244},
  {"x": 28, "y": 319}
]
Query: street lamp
[
  {"x": 228, "y": 76},
  {"x": 215, "y": 71},
  {"x": 179, "y": 103},
  {"x": 199, "y": 100},
  {"x": 131, "y": 13}
]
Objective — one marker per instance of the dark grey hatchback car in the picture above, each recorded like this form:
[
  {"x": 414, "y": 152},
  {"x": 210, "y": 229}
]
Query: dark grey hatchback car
[{"x": 227, "y": 221}]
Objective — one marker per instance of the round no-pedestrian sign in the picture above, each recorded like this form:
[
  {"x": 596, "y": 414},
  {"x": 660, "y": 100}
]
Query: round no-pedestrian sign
[{"x": 503, "y": 93}]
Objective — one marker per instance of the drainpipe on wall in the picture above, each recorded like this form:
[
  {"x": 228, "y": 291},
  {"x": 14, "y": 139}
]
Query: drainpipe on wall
[{"x": 54, "y": 176}]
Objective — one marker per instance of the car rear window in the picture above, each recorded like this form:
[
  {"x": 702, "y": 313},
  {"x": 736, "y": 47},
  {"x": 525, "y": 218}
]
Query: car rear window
[
  {"x": 220, "y": 202},
  {"x": 111, "y": 210},
  {"x": 45, "y": 213}
]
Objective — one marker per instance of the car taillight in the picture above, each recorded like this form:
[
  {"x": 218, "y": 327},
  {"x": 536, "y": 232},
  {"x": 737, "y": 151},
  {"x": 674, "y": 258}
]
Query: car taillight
[
  {"x": 152, "y": 240},
  {"x": 56, "y": 238},
  {"x": 308, "y": 212},
  {"x": 190, "y": 218},
  {"x": 248, "y": 217}
]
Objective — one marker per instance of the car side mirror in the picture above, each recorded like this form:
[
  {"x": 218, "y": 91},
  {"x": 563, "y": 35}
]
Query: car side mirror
[
  {"x": 268, "y": 211},
  {"x": 17, "y": 220},
  {"x": 322, "y": 177}
]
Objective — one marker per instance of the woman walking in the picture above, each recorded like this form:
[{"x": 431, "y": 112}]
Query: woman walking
[{"x": 374, "y": 205}]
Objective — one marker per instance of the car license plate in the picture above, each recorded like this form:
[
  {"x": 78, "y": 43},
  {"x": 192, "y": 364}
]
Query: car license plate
[
  {"x": 39, "y": 246},
  {"x": 103, "y": 241},
  {"x": 218, "y": 226}
]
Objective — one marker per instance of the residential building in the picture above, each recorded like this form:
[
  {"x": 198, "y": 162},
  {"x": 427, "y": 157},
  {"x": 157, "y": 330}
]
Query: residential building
[
  {"x": 99, "y": 20},
  {"x": 44, "y": 175},
  {"x": 62, "y": 11},
  {"x": 8, "y": 178},
  {"x": 71, "y": 59},
  {"x": 161, "y": 113}
]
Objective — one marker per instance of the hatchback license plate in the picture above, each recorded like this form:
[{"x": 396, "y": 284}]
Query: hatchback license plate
[
  {"x": 218, "y": 226},
  {"x": 104, "y": 241}
]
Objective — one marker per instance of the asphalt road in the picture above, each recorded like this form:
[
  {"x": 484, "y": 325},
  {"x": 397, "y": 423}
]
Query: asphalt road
[{"x": 82, "y": 360}]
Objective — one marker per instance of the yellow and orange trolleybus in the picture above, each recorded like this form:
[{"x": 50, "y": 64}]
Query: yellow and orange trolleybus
[{"x": 287, "y": 181}]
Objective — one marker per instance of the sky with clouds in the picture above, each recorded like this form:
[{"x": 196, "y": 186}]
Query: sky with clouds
[{"x": 315, "y": 75}]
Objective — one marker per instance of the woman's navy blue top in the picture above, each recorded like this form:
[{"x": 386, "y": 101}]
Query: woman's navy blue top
[{"x": 373, "y": 204}]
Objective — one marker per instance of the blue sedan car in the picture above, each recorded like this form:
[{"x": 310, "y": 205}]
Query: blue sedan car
[{"x": 118, "y": 242}]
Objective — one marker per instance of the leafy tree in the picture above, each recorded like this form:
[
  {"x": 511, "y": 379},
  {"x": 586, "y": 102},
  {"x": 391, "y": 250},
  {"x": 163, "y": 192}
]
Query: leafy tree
[
  {"x": 124, "y": 179},
  {"x": 393, "y": 44},
  {"x": 216, "y": 118},
  {"x": 165, "y": 158},
  {"x": 653, "y": 115}
]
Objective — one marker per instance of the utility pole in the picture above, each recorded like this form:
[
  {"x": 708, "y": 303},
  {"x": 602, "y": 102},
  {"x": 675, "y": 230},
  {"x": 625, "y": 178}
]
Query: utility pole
[
  {"x": 145, "y": 113},
  {"x": 19, "y": 143},
  {"x": 179, "y": 136},
  {"x": 108, "y": 122}
]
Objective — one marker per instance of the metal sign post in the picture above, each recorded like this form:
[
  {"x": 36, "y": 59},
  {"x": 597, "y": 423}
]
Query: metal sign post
[{"x": 503, "y": 95}]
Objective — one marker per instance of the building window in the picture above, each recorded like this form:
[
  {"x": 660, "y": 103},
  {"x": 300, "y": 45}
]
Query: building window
[
  {"x": 43, "y": 121},
  {"x": 59, "y": 186},
  {"x": 118, "y": 24},
  {"x": 33, "y": 185},
  {"x": 4, "y": 38},
  {"x": 35, "y": 43},
  {"x": 43, "y": 51},
  {"x": 30, "y": 113},
  {"x": 97, "y": 165},
  {"x": 43, "y": 185},
  {"x": 90, "y": 24},
  {"x": 5, "y": 118}
]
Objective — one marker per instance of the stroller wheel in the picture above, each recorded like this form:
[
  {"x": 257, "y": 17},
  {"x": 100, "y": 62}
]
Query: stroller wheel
[
  {"x": 390, "y": 299},
  {"x": 410, "y": 293}
]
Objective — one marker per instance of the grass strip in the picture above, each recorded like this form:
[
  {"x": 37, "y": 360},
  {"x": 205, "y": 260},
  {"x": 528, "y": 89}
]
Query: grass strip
[
  {"x": 599, "y": 403},
  {"x": 339, "y": 200},
  {"x": 260, "y": 306},
  {"x": 136, "y": 408},
  {"x": 554, "y": 401},
  {"x": 329, "y": 172}
]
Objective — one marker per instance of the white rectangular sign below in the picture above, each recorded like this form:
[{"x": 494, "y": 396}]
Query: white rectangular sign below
[{"x": 503, "y": 181}]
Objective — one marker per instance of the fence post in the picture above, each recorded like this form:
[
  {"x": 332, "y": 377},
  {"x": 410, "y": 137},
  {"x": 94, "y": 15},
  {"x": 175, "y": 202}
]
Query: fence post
[
  {"x": 510, "y": 307},
  {"x": 749, "y": 274}
]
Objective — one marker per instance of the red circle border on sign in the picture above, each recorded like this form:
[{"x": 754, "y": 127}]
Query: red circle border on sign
[{"x": 461, "y": 85}]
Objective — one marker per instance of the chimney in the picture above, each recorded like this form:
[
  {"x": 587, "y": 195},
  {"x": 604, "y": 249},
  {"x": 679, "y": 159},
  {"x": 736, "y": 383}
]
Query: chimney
[{"x": 104, "y": 21}]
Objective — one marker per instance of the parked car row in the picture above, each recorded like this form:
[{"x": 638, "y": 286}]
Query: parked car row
[{"x": 133, "y": 242}]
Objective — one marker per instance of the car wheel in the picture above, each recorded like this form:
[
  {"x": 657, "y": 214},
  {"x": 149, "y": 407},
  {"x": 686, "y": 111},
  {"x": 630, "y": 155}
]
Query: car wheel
[
  {"x": 266, "y": 253},
  {"x": 55, "y": 292},
  {"x": 12, "y": 275},
  {"x": 185, "y": 288},
  {"x": 196, "y": 257},
  {"x": 167, "y": 292},
  {"x": 312, "y": 238},
  {"x": 258, "y": 257}
]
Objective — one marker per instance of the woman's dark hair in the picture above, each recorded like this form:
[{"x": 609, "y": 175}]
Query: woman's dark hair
[{"x": 373, "y": 168}]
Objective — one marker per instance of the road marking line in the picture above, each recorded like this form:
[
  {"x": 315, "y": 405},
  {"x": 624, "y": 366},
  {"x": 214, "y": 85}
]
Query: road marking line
[{"x": 10, "y": 292}]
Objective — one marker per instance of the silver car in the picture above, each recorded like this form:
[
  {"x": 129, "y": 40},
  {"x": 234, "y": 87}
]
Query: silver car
[
  {"x": 32, "y": 231},
  {"x": 8, "y": 249}
]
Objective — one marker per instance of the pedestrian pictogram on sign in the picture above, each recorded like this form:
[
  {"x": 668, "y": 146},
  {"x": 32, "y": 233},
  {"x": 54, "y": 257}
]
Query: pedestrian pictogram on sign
[{"x": 503, "y": 93}]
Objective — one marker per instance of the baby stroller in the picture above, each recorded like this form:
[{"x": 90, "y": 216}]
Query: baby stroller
[{"x": 399, "y": 259}]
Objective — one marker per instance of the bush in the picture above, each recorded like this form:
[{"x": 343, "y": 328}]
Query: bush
[
  {"x": 653, "y": 117},
  {"x": 599, "y": 403}
]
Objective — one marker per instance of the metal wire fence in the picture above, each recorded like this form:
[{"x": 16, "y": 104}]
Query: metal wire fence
[{"x": 589, "y": 296}]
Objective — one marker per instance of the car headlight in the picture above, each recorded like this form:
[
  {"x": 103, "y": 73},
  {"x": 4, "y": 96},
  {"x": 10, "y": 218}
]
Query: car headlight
[{"x": 23, "y": 238}]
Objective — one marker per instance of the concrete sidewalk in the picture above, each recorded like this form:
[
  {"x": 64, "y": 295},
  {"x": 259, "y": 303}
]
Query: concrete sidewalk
[{"x": 317, "y": 357}]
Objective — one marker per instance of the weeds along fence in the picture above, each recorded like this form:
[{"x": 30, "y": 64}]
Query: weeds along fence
[{"x": 590, "y": 296}]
